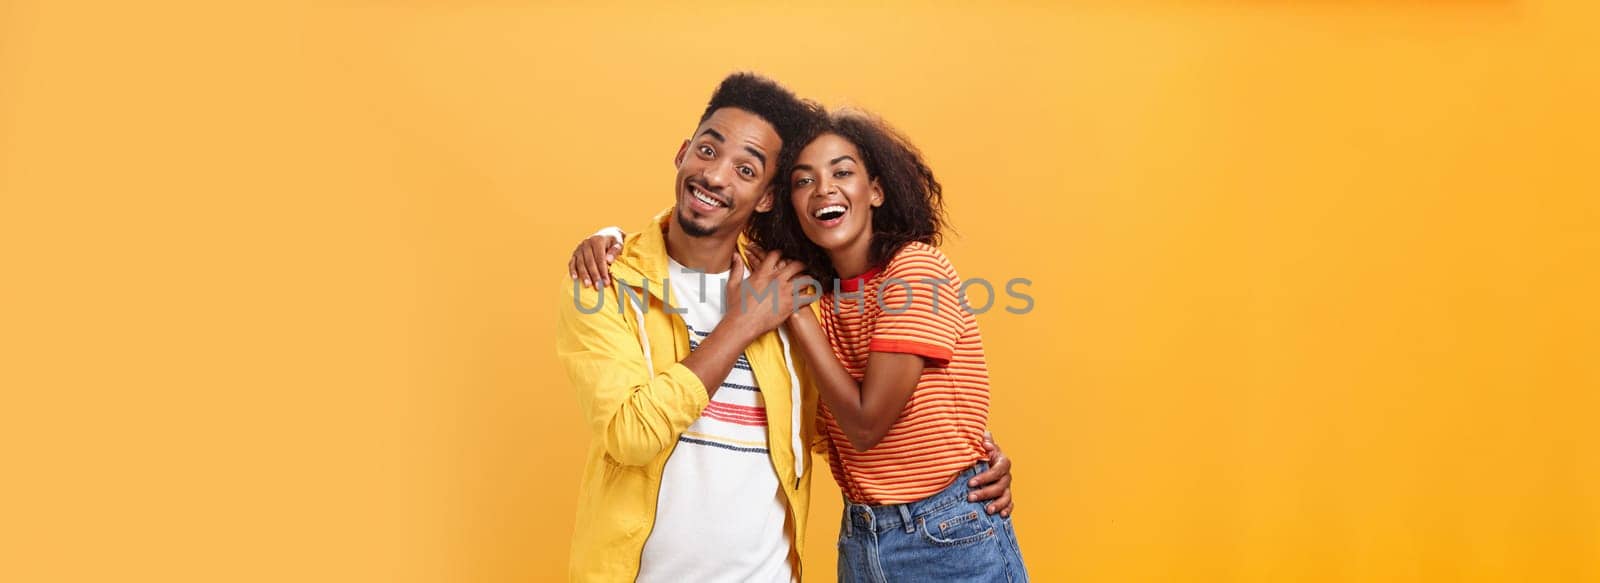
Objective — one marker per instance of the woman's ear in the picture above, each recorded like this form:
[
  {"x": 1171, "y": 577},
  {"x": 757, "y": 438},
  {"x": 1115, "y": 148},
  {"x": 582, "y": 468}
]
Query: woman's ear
[{"x": 877, "y": 194}]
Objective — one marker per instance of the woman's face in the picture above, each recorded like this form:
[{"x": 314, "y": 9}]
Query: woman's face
[{"x": 832, "y": 194}]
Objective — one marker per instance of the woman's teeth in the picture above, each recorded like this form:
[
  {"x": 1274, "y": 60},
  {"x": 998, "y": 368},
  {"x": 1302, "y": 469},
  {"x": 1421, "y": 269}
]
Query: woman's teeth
[{"x": 830, "y": 212}]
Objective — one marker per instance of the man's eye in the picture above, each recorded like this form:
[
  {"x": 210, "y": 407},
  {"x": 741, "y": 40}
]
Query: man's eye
[
  {"x": 706, "y": 151},
  {"x": 747, "y": 171}
]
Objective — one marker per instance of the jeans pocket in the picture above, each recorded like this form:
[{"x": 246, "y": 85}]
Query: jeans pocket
[{"x": 963, "y": 526}]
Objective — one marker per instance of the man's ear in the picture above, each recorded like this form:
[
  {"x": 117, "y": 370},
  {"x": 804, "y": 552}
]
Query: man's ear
[
  {"x": 682, "y": 150},
  {"x": 768, "y": 197},
  {"x": 877, "y": 194}
]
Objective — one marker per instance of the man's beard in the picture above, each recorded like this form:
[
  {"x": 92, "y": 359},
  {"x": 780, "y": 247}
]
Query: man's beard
[{"x": 690, "y": 228}]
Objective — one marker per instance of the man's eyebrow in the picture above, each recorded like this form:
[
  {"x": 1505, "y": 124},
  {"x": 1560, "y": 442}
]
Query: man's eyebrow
[
  {"x": 758, "y": 155},
  {"x": 841, "y": 159},
  {"x": 714, "y": 135}
]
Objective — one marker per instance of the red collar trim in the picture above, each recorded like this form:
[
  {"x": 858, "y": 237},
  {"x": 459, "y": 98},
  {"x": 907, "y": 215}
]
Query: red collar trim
[{"x": 856, "y": 283}]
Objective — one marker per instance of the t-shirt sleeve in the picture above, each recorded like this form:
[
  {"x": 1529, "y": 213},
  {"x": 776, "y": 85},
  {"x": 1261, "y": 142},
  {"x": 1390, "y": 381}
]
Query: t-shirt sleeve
[{"x": 920, "y": 311}]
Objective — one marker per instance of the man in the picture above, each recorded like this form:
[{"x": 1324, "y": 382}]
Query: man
[{"x": 700, "y": 430}]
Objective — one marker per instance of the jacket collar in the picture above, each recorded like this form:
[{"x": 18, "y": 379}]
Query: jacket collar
[{"x": 644, "y": 255}]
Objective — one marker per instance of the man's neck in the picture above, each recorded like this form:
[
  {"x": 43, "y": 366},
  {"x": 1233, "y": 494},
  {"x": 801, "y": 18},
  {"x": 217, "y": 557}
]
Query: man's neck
[{"x": 713, "y": 254}]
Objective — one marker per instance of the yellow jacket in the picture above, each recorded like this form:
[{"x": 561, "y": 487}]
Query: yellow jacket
[{"x": 623, "y": 361}]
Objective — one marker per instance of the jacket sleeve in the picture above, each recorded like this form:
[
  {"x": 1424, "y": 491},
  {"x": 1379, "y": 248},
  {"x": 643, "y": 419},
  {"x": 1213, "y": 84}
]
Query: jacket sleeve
[
  {"x": 819, "y": 439},
  {"x": 634, "y": 414},
  {"x": 814, "y": 435}
]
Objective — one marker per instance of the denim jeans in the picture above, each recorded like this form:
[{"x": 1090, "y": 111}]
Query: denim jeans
[{"x": 940, "y": 538}]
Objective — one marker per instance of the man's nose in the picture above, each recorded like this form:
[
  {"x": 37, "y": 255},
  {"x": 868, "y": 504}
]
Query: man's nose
[{"x": 718, "y": 175}]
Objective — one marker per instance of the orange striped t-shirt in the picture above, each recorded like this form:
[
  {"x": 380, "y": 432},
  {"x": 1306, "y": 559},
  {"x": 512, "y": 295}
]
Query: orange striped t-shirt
[{"x": 903, "y": 308}]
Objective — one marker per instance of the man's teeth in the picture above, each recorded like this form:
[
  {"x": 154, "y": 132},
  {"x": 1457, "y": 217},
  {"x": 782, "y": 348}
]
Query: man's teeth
[
  {"x": 705, "y": 199},
  {"x": 832, "y": 209}
]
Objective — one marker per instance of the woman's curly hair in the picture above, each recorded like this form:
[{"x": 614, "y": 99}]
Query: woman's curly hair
[{"x": 913, "y": 201}]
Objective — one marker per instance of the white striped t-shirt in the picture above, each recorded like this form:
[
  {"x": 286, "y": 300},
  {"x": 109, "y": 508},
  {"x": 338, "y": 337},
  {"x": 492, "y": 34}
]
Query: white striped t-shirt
[{"x": 720, "y": 515}]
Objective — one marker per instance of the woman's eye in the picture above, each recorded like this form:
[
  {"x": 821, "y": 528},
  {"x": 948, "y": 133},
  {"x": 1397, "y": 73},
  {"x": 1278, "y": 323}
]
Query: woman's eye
[
  {"x": 842, "y": 173},
  {"x": 802, "y": 181}
]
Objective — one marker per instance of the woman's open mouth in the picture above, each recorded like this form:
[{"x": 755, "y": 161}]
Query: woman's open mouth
[{"x": 831, "y": 215}]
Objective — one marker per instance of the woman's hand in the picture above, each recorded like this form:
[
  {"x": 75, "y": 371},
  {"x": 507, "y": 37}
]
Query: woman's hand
[{"x": 591, "y": 260}]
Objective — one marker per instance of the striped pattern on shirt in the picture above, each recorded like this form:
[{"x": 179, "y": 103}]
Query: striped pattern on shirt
[
  {"x": 735, "y": 419},
  {"x": 903, "y": 308},
  {"x": 719, "y": 489}
]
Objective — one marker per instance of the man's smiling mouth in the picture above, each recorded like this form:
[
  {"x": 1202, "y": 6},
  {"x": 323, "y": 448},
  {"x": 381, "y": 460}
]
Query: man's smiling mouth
[{"x": 705, "y": 197}]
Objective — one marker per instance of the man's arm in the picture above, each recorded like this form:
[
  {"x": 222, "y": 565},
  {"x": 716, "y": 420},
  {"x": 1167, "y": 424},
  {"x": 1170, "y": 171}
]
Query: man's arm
[
  {"x": 714, "y": 359},
  {"x": 635, "y": 415}
]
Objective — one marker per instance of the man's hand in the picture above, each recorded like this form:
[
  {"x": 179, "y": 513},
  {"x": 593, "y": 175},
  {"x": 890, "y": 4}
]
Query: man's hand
[
  {"x": 765, "y": 299},
  {"x": 746, "y": 317},
  {"x": 993, "y": 484}
]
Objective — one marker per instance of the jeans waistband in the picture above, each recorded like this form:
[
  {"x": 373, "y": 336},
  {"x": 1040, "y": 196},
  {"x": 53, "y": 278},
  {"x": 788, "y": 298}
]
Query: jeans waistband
[{"x": 883, "y": 517}]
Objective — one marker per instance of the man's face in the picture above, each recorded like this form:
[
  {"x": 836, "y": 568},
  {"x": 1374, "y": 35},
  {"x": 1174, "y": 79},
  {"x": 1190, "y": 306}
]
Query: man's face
[{"x": 724, "y": 172}]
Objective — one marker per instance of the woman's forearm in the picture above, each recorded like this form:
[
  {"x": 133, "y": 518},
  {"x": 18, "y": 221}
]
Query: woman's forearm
[{"x": 865, "y": 411}]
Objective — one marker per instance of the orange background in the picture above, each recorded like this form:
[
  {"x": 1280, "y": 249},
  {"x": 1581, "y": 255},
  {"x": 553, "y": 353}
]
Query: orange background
[{"x": 1315, "y": 280}]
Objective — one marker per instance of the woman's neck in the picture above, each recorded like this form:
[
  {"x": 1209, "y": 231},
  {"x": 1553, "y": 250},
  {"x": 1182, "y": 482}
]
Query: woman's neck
[{"x": 852, "y": 259}]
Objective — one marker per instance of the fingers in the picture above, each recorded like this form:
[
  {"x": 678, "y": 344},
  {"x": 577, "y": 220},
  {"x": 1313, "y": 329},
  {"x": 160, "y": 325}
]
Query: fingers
[
  {"x": 769, "y": 263},
  {"x": 600, "y": 259},
  {"x": 735, "y": 273},
  {"x": 1000, "y": 462},
  {"x": 997, "y": 469},
  {"x": 1003, "y": 504},
  {"x": 581, "y": 265},
  {"x": 604, "y": 247},
  {"x": 586, "y": 265},
  {"x": 753, "y": 258},
  {"x": 991, "y": 494},
  {"x": 753, "y": 253},
  {"x": 992, "y": 483},
  {"x": 591, "y": 260},
  {"x": 784, "y": 272},
  {"x": 806, "y": 299},
  {"x": 788, "y": 269},
  {"x": 586, "y": 271},
  {"x": 996, "y": 480}
]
